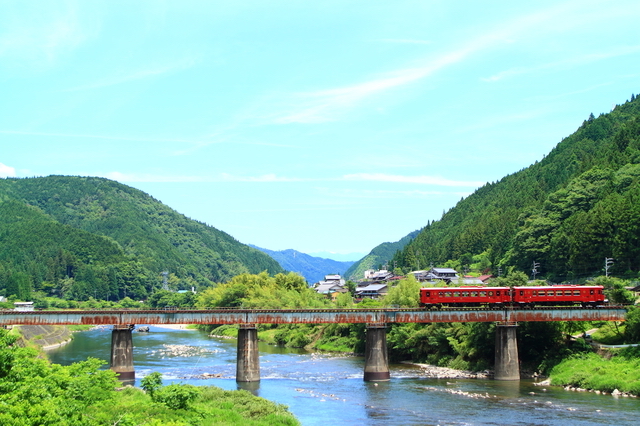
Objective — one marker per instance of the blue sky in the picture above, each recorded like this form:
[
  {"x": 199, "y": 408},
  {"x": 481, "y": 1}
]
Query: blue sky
[{"x": 326, "y": 126}]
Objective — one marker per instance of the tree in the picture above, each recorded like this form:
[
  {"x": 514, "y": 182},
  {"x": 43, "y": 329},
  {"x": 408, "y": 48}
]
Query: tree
[
  {"x": 405, "y": 294},
  {"x": 151, "y": 383}
]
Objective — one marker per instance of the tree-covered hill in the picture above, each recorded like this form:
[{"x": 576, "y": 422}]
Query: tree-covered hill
[
  {"x": 95, "y": 237},
  {"x": 312, "y": 268},
  {"x": 378, "y": 257},
  {"x": 568, "y": 212}
]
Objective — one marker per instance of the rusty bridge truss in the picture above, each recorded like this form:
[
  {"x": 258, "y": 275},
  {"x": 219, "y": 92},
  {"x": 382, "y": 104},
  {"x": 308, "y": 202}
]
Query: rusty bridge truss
[{"x": 307, "y": 316}]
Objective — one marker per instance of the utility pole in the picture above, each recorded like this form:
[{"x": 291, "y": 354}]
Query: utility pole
[
  {"x": 534, "y": 269},
  {"x": 608, "y": 261},
  {"x": 165, "y": 280}
]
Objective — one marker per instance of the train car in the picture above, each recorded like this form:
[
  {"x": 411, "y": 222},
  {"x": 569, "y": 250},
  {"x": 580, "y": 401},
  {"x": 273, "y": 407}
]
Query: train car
[
  {"x": 464, "y": 296},
  {"x": 559, "y": 295}
]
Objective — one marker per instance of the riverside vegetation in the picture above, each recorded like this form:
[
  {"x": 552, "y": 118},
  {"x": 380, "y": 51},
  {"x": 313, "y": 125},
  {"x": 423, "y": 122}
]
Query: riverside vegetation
[{"x": 34, "y": 392}]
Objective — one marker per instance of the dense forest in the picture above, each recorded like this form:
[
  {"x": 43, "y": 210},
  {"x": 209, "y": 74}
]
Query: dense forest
[
  {"x": 566, "y": 213},
  {"x": 82, "y": 237}
]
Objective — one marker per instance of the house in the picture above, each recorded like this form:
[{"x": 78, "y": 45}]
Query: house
[
  {"x": 377, "y": 276},
  {"x": 23, "y": 306},
  {"x": 485, "y": 278},
  {"x": 331, "y": 291},
  {"x": 334, "y": 278},
  {"x": 445, "y": 274},
  {"x": 371, "y": 291}
]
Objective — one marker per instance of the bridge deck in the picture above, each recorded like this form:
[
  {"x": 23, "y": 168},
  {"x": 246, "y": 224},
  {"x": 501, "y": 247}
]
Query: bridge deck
[{"x": 307, "y": 316}]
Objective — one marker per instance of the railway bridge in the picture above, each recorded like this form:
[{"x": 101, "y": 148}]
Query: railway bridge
[{"x": 376, "y": 362}]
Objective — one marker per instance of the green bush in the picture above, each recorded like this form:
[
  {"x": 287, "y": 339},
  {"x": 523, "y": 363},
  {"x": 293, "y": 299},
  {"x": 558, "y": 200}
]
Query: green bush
[{"x": 176, "y": 396}]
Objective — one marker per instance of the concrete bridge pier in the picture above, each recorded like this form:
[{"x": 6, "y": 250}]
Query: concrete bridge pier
[
  {"x": 376, "y": 361},
  {"x": 248, "y": 363},
  {"x": 122, "y": 352},
  {"x": 506, "y": 361}
]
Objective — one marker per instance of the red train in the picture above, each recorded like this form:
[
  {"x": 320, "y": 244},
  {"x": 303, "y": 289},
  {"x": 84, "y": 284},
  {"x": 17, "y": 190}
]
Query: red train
[{"x": 495, "y": 297}]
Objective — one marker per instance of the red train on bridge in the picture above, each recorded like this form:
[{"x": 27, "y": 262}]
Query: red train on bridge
[{"x": 495, "y": 297}]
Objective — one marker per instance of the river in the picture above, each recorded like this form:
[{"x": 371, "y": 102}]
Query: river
[{"x": 327, "y": 389}]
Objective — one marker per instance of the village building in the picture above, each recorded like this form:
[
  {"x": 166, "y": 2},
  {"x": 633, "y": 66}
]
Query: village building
[
  {"x": 371, "y": 291},
  {"x": 331, "y": 287}
]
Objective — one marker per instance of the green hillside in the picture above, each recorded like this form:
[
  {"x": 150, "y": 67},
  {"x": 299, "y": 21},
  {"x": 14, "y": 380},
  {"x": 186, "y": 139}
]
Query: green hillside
[
  {"x": 567, "y": 212},
  {"x": 85, "y": 236},
  {"x": 378, "y": 257}
]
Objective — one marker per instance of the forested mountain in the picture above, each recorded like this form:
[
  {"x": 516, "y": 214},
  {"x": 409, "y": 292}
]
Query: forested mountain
[
  {"x": 378, "y": 257},
  {"x": 85, "y": 236},
  {"x": 312, "y": 268},
  {"x": 567, "y": 213}
]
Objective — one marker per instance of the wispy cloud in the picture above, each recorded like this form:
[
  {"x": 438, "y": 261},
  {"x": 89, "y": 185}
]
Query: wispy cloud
[
  {"x": 332, "y": 104},
  {"x": 7, "y": 171},
  {"x": 405, "y": 41},
  {"x": 90, "y": 136},
  {"x": 142, "y": 73},
  {"x": 269, "y": 177},
  {"x": 148, "y": 177},
  {"x": 43, "y": 34},
  {"x": 563, "y": 64},
  {"x": 420, "y": 180},
  {"x": 222, "y": 177}
]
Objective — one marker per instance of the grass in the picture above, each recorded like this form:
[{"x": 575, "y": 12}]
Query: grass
[
  {"x": 590, "y": 371},
  {"x": 609, "y": 333}
]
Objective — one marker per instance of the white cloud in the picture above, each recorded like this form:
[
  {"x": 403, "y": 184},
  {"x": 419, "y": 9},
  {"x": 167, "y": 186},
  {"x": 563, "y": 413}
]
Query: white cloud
[
  {"x": 421, "y": 180},
  {"x": 563, "y": 64},
  {"x": 6, "y": 171}
]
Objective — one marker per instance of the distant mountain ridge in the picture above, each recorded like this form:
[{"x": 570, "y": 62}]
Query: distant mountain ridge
[
  {"x": 312, "y": 268},
  {"x": 94, "y": 237}
]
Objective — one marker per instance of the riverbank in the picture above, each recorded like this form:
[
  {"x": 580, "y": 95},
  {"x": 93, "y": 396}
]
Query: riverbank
[{"x": 45, "y": 336}]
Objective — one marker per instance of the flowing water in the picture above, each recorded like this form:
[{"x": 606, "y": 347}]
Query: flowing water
[{"x": 323, "y": 389}]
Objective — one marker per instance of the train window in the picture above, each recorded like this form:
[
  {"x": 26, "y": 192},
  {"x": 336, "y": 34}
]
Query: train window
[
  {"x": 440, "y": 294},
  {"x": 456, "y": 294},
  {"x": 427, "y": 293},
  {"x": 474, "y": 294},
  {"x": 490, "y": 293},
  {"x": 534, "y": 292},
  {"x": 558, "y": 292},
  {"x": 567, "y": 292},
  {"x": 521, "y": 293},
  {"x": 550, "y": 293},
  {"x": 447, "y": 294},
  {"x": 465, "y": 294},
  {"x": 483, "y": 294},
  {"x": 590, "y": 291},
  {"x": 498, "y": 293},
  {"x": 576, "y": 292}
]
